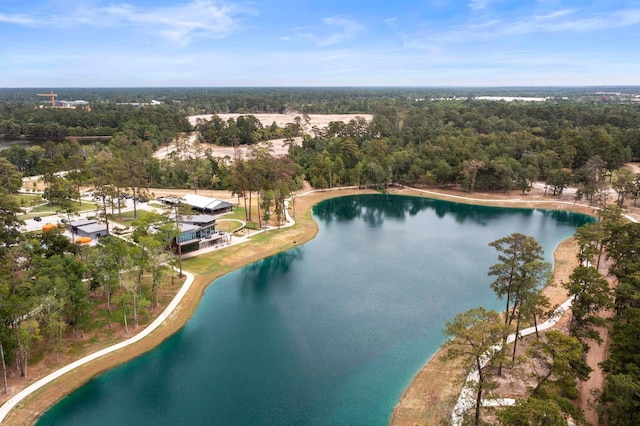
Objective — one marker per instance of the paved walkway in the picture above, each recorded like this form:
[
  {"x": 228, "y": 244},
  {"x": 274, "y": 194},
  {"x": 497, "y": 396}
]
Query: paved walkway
[
  {"x": 465, "y": 401},
  {"x": 467, "y": 398},
  {"x": 13, "y": 401}
]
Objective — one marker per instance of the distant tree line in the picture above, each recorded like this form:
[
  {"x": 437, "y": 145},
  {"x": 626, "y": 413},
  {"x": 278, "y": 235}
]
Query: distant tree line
[
  {"x": 310, "y": 100},
  {"x": 157, "y": 124},
  {"x": 489, "y": 146},
  {"x": 474, "y": 145}
]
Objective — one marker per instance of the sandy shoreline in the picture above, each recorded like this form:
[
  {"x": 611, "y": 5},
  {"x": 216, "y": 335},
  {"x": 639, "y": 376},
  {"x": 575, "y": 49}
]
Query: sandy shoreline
[
  {"x": 207, "y": 268},
  {"x": 213, "y": 265},
  {"x": 433, "y": 392}
]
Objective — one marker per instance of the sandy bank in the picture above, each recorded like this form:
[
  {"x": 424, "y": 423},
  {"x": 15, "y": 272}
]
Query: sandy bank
[
  {"x": 432, "y": 394},
  {"x": 206, "y": 268},
  {"x": 212, "y": 265}
]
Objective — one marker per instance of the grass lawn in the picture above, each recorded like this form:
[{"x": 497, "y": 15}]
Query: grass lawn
[
  {"x": 238, "y": 213},
  {"x": 228, "y": 225},
  {"x": 75, "y": 206},
  {"x": 122, "y": 218},
  {"x": 30, "y": 200}
]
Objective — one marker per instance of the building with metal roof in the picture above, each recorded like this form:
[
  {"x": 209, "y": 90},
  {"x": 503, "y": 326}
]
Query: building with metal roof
[
  {"x": 88, "y": 228},
  {"x": 207, "y": 205},
  {"x": 196, "y": 232}
]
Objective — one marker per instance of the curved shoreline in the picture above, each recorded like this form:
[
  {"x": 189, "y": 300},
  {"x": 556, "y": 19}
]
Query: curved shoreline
[
  {"x": 306, "y": 229},
  {"x": 436, "y": 388},
  {"x": 26, "y": 392},
  {"x": 215, "y": 264}
]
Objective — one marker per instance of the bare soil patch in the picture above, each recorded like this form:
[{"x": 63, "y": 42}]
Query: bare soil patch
[
  {"x": 281, "y": 120},
  {"x": 279, "y": 147}
]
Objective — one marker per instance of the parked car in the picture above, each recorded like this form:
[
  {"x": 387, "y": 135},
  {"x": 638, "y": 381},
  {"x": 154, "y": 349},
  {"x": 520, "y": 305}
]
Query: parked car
[{"x": 37, "y": 218}]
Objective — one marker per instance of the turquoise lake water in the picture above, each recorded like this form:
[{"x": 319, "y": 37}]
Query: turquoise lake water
[{"x": 328, "y": 333}]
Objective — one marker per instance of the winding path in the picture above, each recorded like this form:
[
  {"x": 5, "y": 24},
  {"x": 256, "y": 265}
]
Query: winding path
[
  {"x": 465, "y": 400},
  {"x": 13, "y": 401}
]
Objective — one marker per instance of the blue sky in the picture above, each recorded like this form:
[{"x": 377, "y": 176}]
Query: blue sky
[{"x": 113, "y": 43}]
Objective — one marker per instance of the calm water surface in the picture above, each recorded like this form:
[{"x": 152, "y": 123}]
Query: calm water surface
[
  {"x": 328, "y": 333},
  {"x": 24, "y": 143}
]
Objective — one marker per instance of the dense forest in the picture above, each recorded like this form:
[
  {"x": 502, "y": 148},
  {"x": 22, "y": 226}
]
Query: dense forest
[
  {"x": 576, "y": 138},
  {"x": 157, "y": 125},
  {"x": 310, "y": 100},
  {"x": 479, "y": 145}
]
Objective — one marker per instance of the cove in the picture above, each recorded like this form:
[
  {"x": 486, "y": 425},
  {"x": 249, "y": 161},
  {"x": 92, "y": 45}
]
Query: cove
[{"x": 330, "y": 332}]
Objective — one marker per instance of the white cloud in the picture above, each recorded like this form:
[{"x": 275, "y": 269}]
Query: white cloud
[
  {"x": 337, "y": 30},
  {"x": 478, "y": 4},
  {"x": 392, "y": 22},
  {"x": 559, "y": 21},
  {"x": 572, "y": 21},
  {"x": 18, "y": 19},
  {"x": 179, "y": 23}
]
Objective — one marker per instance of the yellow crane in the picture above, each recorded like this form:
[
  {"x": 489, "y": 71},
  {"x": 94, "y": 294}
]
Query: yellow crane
[{"x": 52, "y": 96}]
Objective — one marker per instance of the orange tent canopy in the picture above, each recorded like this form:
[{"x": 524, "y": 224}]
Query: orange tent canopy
[
  {"x": 83, "y": 240},
  {"x": 49, "y": 226}
]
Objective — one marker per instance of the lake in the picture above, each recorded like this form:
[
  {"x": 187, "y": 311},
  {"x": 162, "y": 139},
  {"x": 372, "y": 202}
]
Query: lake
[
  {"x": 24, "y": 143},
  {"x": 330, "y": 332}
]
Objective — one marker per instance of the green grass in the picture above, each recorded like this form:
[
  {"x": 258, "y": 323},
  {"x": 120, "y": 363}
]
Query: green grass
[
  {"x": 262, "y": 237},
  {"x": 75, "y": 206},
  {"x": 37, "y": 356},
  {"x": 122, "y": 218},
  {"x": 29, "y": 215},
  {"x": 75, "y": 348},
  {"x": 203, "y": 264},
  {"x": 44, "y": 209},
  {"x": 228, "y": 225},
  {"x": 238, "y": 213},
  {"x": 30, "y": 200}
]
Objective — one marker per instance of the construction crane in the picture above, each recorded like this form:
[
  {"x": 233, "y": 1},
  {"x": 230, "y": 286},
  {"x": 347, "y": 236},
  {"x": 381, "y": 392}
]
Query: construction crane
[{"x": 52, "y": 96}]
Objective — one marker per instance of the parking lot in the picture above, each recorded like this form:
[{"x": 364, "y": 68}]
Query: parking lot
[
  {"x": 60, "y": 218},
  {"x": 36, "y": 225}
]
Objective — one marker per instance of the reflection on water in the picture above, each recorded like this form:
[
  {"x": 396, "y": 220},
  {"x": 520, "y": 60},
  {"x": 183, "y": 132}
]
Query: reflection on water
[
  {"x": 256, "y": 277},
  {"x": 326, "y": 333},
  {"x": 374, "y": 209},
  {"x": 22, "y": 143}
]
